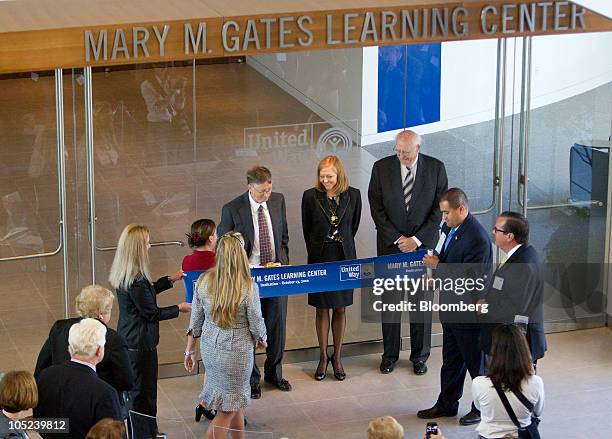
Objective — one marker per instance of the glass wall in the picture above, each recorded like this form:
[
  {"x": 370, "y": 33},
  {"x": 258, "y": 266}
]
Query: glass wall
[
  {"x": 568, "y": 153},
  {"x": 172, "y": 143}
]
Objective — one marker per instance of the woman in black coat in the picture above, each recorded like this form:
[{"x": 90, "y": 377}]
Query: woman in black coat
[
  {"x": 94, "y": 302},
  {"x": 331, "y": 212},
  {"x": 139, "y": 315}
]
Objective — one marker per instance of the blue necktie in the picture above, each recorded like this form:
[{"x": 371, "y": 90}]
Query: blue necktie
[{"x": 451, "y": 233}]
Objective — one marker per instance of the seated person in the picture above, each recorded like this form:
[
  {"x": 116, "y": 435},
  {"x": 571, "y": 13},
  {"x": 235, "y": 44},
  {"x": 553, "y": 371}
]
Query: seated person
[
  {"x": 95, "y": 302},
  {"x": 18, "y": 393},
  {"x": 511, "y": 369},
  {"x": 72, "y": 389},
  {"x": 385, "y": 428}
]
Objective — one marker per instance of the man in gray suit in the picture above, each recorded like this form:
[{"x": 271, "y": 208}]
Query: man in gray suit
[
  {"x": 404, "y": 195},
  {"x": 260, "y": 215}
]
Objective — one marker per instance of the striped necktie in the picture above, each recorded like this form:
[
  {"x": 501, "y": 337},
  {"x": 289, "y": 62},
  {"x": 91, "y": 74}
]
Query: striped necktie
[{"x": 408, "y": 185}]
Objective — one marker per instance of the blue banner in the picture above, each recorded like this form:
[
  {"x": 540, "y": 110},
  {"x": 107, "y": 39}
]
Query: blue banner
[{"x": 328, "y": 276}]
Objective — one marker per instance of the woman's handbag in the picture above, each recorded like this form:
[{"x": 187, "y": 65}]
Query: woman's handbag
[{"x": 528, "y": 432}]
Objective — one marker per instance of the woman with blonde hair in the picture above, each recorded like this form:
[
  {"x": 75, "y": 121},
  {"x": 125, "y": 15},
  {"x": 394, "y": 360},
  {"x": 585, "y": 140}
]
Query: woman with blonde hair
[
  {"x": 331, "y": 212},
  {"x": 139, "y": 315},
  {"x": 227, "y": 317},
  {"x": 385, "y": 427},
  {"x": 95, "y": 302}
]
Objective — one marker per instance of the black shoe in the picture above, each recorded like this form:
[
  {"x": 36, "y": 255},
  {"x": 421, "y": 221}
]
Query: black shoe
[
  {"x": 386, "y": 366},
  {"x": 473, "y": 417},
  {"x": 434, "y": 412},
  {"x": 255, "y": 391},
  {"x": 321, "y": 372},
  {"x": 340, "y": 375},
  {"x": 281, "y": 384},
  {"x": 420, "y": 368}
]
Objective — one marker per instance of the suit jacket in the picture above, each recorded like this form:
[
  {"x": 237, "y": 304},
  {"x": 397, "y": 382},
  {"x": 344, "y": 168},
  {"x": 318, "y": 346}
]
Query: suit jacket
[
  {"x": 521, "y": 293},
  {"x": 467, "y": 256},
  {"x": 316, "y": 225},
  {"x": 386, "y": 197},
  {"x": 139, "y": 315},
  {"x": 115, "y": 368},
  {"x": 236, "y": 216},
  {"x": 74, "y": 391}
]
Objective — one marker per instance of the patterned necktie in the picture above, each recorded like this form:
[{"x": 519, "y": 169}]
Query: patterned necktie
[
  {"x": 265, "y": 248},
  {"x": 408, "y": 185}
]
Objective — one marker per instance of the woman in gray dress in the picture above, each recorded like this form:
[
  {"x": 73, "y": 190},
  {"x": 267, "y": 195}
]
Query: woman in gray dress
[{"x": 226, "y": 315}]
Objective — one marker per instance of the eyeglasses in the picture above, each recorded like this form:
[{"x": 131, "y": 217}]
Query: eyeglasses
[
  {"x": 261, "y": 191},
  {"x": 401, "y": 152},
  {"x": 495, "y": 230}
]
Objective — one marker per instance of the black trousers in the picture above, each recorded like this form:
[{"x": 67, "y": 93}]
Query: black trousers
[
  {"x": 274, "y": 311},
  {"x": 460, "y": 354},
  {"x": 420, "y": 328},
  {"x": 144, "y": 395}
]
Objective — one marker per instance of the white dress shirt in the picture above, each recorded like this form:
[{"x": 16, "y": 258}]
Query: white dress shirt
[
  {"x": 512, "y": 251},
  {"x": 255, "y": 259}
]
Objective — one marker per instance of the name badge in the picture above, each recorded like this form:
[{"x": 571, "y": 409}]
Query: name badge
[
  {"x": 440, "y": 243},
  {"x": 498, "y": 283}
]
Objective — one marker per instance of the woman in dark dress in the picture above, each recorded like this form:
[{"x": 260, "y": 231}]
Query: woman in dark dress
[{"x": 330, "y": 218}]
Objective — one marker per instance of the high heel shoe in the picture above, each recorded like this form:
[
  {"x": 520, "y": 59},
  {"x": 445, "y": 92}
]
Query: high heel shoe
[
  {"x": 320, "y": 375},
  {"x": 340, "y": 375},
  {"x": 201, "y": 410}
]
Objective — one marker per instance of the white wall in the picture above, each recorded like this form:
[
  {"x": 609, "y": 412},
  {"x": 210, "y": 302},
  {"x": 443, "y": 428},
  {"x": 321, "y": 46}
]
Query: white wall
[
  {"x": 328, "y": 82},
  {"x": 562, "y": 66}
]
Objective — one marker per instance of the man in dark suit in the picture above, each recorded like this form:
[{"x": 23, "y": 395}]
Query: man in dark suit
[
  {"x": 260, "y": 215},
  {"x": 464, "y": 257},
  {"x": 404, "y": 193},
  {"x": 72, "y": 389},
  {"x": 515, "y": 290}
]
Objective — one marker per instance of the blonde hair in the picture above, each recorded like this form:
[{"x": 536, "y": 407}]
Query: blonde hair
[
  {"x": 228, "y": 279},
  {"x": 131, "y": 257},
  {"x": 85, "y": 337},
  {"x": 333, "y": 161},
  {"x": 94, "y": 300},
  {"x": 18, "y": 391},
  {"x": 107, "y": 428},
  {"x": 385, "y": 428}
]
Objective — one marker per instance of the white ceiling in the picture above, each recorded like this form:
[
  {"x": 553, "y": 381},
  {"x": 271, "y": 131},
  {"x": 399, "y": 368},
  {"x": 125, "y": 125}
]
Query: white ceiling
[{"x": 603, "y": 7}]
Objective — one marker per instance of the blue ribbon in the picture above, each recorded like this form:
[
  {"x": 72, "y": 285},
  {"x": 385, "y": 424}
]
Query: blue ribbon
[{"x": 329, "y": 276}]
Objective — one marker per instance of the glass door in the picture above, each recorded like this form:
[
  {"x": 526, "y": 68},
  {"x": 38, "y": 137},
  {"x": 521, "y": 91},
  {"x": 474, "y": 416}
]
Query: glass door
[{"x": 560, "y": 175}]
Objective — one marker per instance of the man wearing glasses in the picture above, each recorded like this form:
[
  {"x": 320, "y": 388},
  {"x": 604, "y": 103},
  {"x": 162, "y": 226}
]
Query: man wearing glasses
[
  {"x": 260, "y": 216},
  {"x": 404, "y": 194},
  {"x": 516, "y": 288}
]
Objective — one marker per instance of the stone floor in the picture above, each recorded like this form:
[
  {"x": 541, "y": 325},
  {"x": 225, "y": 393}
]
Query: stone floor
[{"x": 577, "y": 373}]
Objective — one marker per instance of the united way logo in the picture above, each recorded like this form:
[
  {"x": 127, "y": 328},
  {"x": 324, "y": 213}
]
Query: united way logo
[
  {"x": 350, "y": 272},
  {"x": 367, "y": 271},
  {"x": 334, "y": 139}
]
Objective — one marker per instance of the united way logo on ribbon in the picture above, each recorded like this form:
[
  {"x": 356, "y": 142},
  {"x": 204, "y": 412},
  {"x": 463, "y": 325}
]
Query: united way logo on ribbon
[{"x": 356, "y": 272}]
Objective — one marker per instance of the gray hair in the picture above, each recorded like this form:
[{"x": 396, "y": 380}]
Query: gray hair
[
  {"x": 86, "y": 337},
  {"x": 418, "y": 138}
]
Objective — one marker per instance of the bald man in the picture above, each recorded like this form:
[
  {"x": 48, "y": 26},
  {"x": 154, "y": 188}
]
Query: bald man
[{"x": 404, "y": 194}]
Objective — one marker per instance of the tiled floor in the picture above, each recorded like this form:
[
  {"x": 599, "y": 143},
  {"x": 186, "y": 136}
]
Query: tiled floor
[{"x": 577, "y": 373}]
